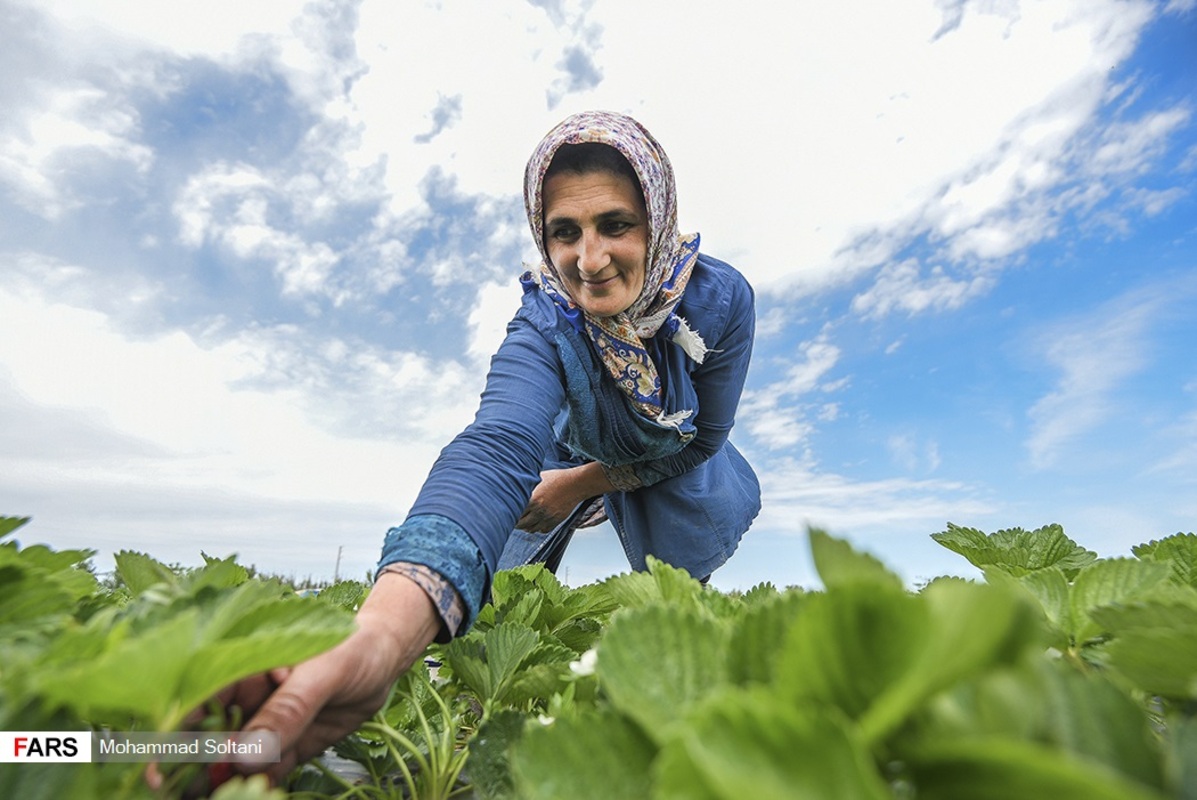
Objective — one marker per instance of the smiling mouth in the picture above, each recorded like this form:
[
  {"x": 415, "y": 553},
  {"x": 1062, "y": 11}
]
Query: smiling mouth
[{"x": 603, "y": 282}]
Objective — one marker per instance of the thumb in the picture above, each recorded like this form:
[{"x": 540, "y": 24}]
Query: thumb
[{"x": 291, "y": 708}]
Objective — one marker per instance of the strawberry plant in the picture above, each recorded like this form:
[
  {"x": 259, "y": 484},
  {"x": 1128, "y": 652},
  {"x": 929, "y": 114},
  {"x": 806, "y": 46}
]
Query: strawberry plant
[{"x": 1060, "y": 674}]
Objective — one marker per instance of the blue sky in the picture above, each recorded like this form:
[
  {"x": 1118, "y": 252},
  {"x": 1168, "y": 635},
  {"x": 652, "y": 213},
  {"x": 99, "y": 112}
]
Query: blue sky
[{"x": 255, "y": 260}]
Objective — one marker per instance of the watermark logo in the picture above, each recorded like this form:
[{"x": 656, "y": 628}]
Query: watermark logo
[
  {"x": 249, "y": 747},
  {"x": 46, "y": 747}
]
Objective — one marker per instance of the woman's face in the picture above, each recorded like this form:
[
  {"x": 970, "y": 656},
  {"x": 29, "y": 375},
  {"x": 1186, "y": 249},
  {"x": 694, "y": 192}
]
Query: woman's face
[{"x": 596, "y": 235}]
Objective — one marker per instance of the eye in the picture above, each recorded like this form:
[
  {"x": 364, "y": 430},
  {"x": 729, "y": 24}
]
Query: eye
[
  {"x": 615, "y": 227},
  {"x": 563, "y": 233}
]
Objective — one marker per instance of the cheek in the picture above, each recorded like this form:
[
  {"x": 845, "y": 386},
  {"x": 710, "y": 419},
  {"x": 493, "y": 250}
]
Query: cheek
[
  {"x": 637, "y": 256},
  {"x": 556, "y": 254}
]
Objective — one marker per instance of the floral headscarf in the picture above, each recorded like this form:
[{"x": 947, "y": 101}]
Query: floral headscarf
[{"x": 619, "y": 339}]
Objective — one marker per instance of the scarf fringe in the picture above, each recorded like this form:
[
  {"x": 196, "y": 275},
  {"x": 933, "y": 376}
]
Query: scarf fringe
[
  {"x": 690, "y": 340},
  {"x": 675, "y": 419}
]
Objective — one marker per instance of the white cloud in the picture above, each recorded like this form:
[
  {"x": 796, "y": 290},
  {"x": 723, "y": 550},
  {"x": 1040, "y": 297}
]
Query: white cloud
[
  {"x": 1182, "y": 458},
  {"x": 254, "y": 428},
  {"x": 498, "y": 58},
  {"x": 1152, "y": 202},
  {"x": 913, "y": 455},
  {"x": 869, "y": 118},
  {"x": 863, "y": 130},
  {"x": 774, "y": 414},
  {"x": 229, "y": 204},
  {"x": 1094, "y": 355},
  {"x": 213, "y": 29},
  {"x": 70, "y": 128},
  {"x": 793, "y": 493},
  {"x": 900, "y": 286},
  {"x": 495, "y": 306}
]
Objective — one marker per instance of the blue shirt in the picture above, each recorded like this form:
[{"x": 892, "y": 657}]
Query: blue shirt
[{"x": 695, "y": 502}]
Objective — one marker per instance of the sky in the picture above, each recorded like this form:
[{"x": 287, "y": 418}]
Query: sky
[{"x": 254, "y": 259}]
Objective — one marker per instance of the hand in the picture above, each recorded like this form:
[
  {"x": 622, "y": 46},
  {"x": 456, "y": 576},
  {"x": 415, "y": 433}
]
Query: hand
[
  {"x": 327, "y": 697},
  {"x": 559, "y": 493}
]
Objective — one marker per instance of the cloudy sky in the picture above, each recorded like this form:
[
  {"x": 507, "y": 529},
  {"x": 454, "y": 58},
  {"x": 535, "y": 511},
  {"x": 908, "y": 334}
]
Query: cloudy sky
[{"x": 254, "y": 258}]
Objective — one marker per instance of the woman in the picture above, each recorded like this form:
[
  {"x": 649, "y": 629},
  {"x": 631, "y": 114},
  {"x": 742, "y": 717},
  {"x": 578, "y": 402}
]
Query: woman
[{"x": 611, "y": 396}]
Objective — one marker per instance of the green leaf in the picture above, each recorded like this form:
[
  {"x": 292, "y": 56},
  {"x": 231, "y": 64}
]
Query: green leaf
[
  {"x": 1174, "y": 608},
  {"x": 140, "y": 572},
  {"x": 540, "y": 676},
  {"x": 510, "y": 663},
  {"x": 972, "y": 628},
  {"x": 1182, "y": 756},
  {"x": 10, "y": 524},
  {"x": 578, "y": 634},
  {"x": 507, "y": 645},
  {"x": 592, "y": 601},
  {"x": 138, "y": 675},
  {"x": 219, "y": 573},
  {"x": 848, "y": 645},
  {"x": 50, "y": 781},
  {"x": 51, "y": 561},
  {"x": 348, "y": 595},
  {"x": 633, "y": 589},
  {"x": 524, "y": 611},
  {"x": 40, "y": 585},
  {"x": 655, "y": 662},
  {"x": 1017, "y": 551},
  {"x": 1157, "y": 660},
  {"x": 1050, "y": 588},
  {"x": 466, "y": 658},
  {"x": 743, "y": 743},
  {"x": 598, "y": 757},
  {"x": 676, "y": 584},
  {"x": 878, "y": 654},
  {"x": 489, "y": 766},
  {"x": 1109, "y": 581},
  {"x": 1003, "y": 769},
  {"x": 1090, "y": 717},
  {"x": 1048, "y": 702},
  {"x": 253, "y": 787},
  {"x": 758, "y": 635},
  {"x": 279, "y": 636},
  {"x": 839, "y": 564},
  {"x": 30, "y": 595},
  {"x": 160, "y": 671},
  {"x": 662, "y": 582},
  {"x": 761, "y": 593},
  {"x": 1179, "y": 550},
  {"x": 1002, "y": 702}
]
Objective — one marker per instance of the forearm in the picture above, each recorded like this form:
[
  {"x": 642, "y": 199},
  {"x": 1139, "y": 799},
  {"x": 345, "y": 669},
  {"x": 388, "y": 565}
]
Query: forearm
[
  {"x": 399, "y": 614},
  {"x": 646, "y": 473},
  {"x": 444, "y": 596},
  {"x": 590, "y": 480}
]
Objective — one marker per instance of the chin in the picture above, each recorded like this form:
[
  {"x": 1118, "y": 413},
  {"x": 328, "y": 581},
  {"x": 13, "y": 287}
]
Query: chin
[{"x": 603, "y": 310}]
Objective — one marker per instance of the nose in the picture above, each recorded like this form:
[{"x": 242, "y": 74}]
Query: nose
[{"x": 592, "y": 254}]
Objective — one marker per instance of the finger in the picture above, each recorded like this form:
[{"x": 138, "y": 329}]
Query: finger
[
  {"x": 153, "y": 776},
  {"x": 290, "y": 710}
]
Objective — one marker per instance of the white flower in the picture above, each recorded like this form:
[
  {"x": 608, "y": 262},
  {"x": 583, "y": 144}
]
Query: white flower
[
  {"x": 544, "y": 720},
  {"x": 585, "y": 664}
]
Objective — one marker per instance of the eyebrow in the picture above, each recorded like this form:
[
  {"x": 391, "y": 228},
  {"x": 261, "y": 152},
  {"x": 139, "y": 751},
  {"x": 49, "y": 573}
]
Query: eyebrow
[{"x": 617, "y": 213}]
